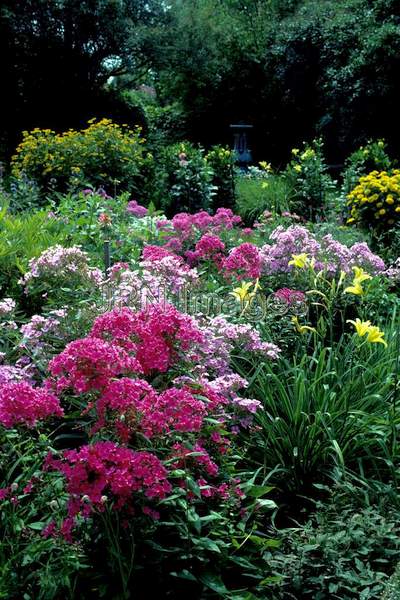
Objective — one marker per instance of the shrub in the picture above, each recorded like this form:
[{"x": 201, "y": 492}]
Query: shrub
[
  {"x": 185, "y": 179},
  {"x": 375, "y": 201},
  {"x": 371, "y": 157},
  {"x": 307, "y": 174},
  {"x": 103, "y": 154},
  {"x": 221, "y": 161}
]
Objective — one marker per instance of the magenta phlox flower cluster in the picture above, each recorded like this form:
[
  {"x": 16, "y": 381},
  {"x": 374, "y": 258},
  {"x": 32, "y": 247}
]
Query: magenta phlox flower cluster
[
  {"x": 243, "y": 262},
  {"x": 290, "y": 296},
  {"x": 105, "y": 471},
  {"x": 21, "y": 404},
  {"x": 209, "y": 247},
  {"x": 187, "y": 227},
  {"x": 161, "y": 334},
  {"x": 136, "y": 209},
  {"x": 88, "y": 364}
]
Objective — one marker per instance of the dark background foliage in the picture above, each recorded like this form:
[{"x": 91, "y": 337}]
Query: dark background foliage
[{"x": 292, "y": 68}]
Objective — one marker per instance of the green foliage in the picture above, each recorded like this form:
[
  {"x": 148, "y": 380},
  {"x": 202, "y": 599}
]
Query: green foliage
[
  {"x": 221, "y": 161},
  {"x": 259, "y": 191},
  {"x": 342, "y": 552},
  {"x": 23, "y": 237},
  {"x": 332, "y": 407},
  {"x": 32, "y": 566}
]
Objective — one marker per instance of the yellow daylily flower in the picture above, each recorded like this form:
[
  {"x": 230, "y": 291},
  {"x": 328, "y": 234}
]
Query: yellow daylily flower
[
  {"x": 266, "y": 166},
  {"x": 375, "y": 336},
  {"x": 362, "y": 327},
  {"x": 356, "y": 289},
  {"x": 302, "y": 328},
  {"x": 299, "y": 260},
  {"x": 360, "y": 275},
  {"x": 243, "y": 292}
]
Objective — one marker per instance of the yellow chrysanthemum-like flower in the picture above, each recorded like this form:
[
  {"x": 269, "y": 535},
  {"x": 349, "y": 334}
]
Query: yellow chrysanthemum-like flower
[{"x": 376, "y": 198}]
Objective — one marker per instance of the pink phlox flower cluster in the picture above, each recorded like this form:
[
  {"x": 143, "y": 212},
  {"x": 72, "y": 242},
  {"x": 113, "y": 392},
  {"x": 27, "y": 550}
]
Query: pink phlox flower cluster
[
  {"x": 186, "y": 227},
  {"x": 58, "y": 261},
  {"x": 89, "y": 364},
  {"x": 290, "y": 296},
  {"x": 243, "y": 262},
  {"x": 329, "y": 255},
  {"x": 21, "y": 404},
  {"x": 132, "y": 405},
  {"x": 7, "y": 306},
  {"x": 155, "y": 253},
  {"x": 245, "y": 336},
  {"x": 228, "y": 385},
  {"x": 393, "y": 271},
  {"x": 248, "y": 404},
  {"x": 209, "y": 247},
  {"x": 135, "y": 209},
  {"x": 39, "y": 326},
  {"x": 174, "y": 410},
  {"x": 168, "y": 271},
  {"x": 10, "y": 373},
  {"x": 124, "y": 400},
  {"x": 127, "y": 288}
]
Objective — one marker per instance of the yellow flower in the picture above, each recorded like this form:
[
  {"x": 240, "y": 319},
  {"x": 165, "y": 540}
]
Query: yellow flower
[
  {"x": 356, "y": 289},
  {"x": 360, "y": 275},
  {"x": 266, "y": 166},
  {"x": 375, "y": 336},
  {"x": 299, "y": 260},
  {"x": 295, "y": 151},
  {"x": 243, "y": 293},
  {"x": 297, "y": 168},
  {"x": 362, "y": 327},
  {"x": 302, "y": 328}
]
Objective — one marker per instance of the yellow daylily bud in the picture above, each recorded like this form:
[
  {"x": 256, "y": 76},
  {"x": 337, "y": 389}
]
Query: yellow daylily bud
[{"x": 302, "y": 328}]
